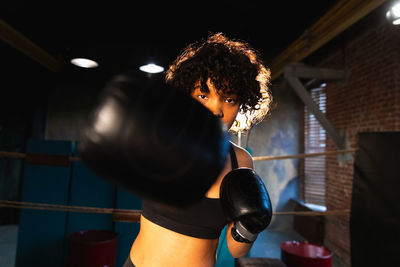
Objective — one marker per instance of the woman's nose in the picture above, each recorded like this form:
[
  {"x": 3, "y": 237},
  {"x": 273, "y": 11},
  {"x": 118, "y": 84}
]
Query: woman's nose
[
  {"x": 216, "y": 109},
  {"x": 219, "y": 114}
]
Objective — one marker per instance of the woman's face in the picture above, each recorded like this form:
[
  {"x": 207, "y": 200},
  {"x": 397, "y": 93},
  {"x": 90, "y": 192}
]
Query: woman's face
[{"x": 224, "y": 107}]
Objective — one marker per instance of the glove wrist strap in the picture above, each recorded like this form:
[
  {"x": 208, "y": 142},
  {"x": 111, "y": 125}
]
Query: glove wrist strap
[{"x": 241, "y": 234}]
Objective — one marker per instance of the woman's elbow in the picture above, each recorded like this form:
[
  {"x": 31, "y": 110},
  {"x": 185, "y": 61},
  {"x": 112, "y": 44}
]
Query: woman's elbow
[{"x": 238, "y": 254}]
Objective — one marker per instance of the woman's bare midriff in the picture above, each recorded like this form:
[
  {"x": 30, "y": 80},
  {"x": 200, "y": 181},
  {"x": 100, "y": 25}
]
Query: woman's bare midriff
[{"x": 156, "y": 246}]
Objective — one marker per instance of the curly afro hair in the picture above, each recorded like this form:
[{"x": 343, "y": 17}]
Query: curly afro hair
[{"x": 233, "y": 67}]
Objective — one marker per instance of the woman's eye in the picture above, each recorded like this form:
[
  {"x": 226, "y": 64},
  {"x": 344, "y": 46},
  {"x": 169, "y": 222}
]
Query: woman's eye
[
  {"x": 202, "y": 97},
  {"x": 230, "y": 100}
]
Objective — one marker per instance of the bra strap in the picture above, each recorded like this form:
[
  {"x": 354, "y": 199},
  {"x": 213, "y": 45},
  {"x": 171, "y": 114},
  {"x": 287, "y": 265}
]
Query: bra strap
[{"x": 234, "y": 162}]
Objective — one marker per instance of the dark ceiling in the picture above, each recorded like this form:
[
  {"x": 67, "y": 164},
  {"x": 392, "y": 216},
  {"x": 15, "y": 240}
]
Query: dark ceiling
[{"x": 122, "y": 36}]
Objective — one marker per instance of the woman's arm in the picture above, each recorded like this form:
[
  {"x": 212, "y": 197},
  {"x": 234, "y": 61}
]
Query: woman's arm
[{"x": 239, "y": 249}]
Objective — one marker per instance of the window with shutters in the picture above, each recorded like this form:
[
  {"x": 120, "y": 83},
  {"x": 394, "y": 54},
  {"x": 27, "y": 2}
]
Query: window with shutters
[{"x": 315, "y": 136}]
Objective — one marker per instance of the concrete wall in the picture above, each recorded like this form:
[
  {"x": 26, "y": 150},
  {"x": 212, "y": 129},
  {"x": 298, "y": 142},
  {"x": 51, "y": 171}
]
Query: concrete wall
[
  {"x": 12, "y": 134},
  {"x": 68, "y": 108}
]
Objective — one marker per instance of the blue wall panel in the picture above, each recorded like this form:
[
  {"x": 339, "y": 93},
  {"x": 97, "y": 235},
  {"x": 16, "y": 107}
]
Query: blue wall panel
[
  {"x": 43, "y": 236},
  {"x": 89, "y": 190},
  {"x": 41, "y": 233}
]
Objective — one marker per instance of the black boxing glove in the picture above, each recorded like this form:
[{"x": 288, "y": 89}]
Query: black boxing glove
[
  {"x": 154, "y": 141},
  {"x": 246, "y": 202}
]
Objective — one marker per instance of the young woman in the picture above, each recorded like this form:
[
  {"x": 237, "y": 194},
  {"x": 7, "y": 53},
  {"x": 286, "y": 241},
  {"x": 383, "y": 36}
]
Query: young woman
[{"x": 228, "y": 78}]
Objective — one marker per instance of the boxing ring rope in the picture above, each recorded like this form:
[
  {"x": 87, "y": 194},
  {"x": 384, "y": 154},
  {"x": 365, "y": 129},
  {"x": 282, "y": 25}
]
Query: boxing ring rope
[
  {"x": 118, "y": 214},
  {"x": 126, "y": 215},
  {"x": 304, "y": 155},
  {"x": 19, "y": 155}
]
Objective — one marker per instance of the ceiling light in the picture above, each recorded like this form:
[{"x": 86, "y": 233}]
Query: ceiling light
[
  {"x": 393, "y": 14},
  {"x": 84, "y": 63},
  {"x": 151, "y": 68}
]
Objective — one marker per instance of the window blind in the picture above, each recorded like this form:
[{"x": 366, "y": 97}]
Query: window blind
[{"x": 315, "y": 137}]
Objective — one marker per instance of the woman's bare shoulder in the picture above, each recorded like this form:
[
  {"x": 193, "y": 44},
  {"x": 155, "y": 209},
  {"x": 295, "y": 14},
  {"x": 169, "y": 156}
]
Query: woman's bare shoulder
[{"x": 243, "y": 157}]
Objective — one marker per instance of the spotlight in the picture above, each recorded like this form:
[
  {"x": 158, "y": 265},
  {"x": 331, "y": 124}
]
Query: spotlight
[
  {"x": 393, "y": 15},
  {"x": 151, "y": 68},
  {"x": 84, "y": 63}
]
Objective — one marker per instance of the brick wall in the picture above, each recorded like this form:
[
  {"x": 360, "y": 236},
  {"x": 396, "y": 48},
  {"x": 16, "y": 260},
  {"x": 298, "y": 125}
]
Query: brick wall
[{"x": 368, "y": 102}]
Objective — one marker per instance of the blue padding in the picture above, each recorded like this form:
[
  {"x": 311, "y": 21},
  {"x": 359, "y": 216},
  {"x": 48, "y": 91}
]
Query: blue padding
[
  {"x": 89, "y": 190},
  {"x": 127, "y": 232},
  {"x": 41, "y": 233},
  {"x": 51, "y": 147}
]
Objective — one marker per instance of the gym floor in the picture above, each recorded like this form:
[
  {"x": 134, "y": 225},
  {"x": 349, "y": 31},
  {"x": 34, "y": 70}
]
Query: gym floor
[{"x": 267, "y": 245}]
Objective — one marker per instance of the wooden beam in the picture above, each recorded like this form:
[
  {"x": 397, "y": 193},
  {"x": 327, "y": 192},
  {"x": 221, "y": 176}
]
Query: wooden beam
[
  {"x": 17, "y": 40},
  {"x": 340, "y": 17},
  {"x": 290, "y": 74}
]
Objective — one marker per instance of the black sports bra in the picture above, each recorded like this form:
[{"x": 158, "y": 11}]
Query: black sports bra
[{"x": 204, "y": 219}]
